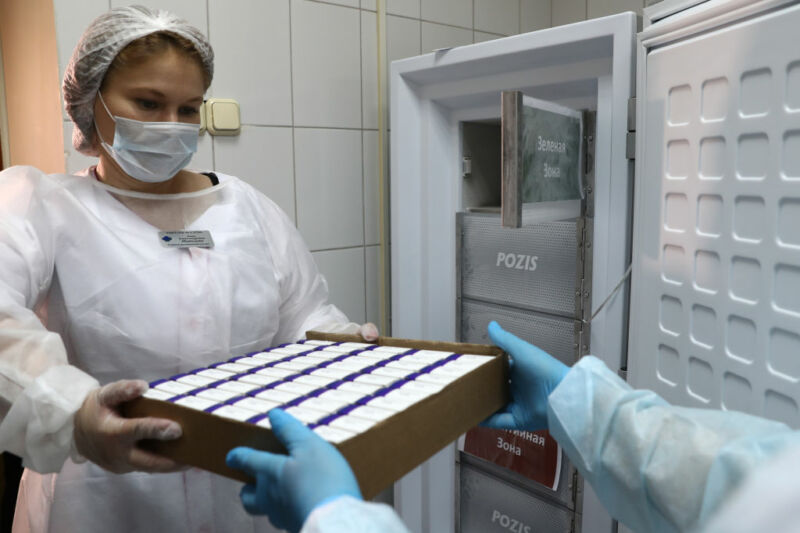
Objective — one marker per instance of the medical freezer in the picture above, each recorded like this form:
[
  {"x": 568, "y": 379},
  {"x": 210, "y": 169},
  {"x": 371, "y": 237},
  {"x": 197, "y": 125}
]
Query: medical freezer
[{"x": 695, "y": 185}]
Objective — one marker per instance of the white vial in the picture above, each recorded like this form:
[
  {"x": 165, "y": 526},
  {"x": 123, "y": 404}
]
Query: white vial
[
  {"x": 174, "y": 387},
  {"x": 155, "y": 394},
  {"x": 332, "y": 434},
  {"x": 195, "y": 402},
  {"x": 234, "y": 413}
]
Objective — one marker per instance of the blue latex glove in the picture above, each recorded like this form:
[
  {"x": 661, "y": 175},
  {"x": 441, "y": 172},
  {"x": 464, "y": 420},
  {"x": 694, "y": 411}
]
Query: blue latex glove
[
  {"x": 534, "y": 374},
  {"x": 289, "y": 487}
]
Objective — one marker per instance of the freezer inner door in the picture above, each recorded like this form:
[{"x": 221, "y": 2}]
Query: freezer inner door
[{"x": 715, "y": 306}]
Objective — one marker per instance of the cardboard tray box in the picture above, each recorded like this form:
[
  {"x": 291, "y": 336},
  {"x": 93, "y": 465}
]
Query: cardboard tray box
[{"x": 381, "y": 455}]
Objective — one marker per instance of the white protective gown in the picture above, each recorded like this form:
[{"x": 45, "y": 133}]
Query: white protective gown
[
  {"x": 85, "y": 259},
  {"x": 657, "y": 468},
  {"x": 349, "y": 515}
]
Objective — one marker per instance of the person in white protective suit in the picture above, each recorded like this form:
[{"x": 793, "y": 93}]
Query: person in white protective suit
[
  {"x": 91, "y": 296},
  {"x": 657, "y": 468}
]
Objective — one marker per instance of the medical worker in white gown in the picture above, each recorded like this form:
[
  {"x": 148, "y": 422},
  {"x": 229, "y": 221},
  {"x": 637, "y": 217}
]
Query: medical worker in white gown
[
  {"x": 90, "y": 295},
  {"x": 657, "y": 468}
]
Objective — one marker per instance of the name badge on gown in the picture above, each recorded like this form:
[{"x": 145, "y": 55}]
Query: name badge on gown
[{"x": 186, "y": 239}]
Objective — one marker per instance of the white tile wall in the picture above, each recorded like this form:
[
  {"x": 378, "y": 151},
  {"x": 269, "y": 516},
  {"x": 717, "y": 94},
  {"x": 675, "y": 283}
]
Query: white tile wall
[
  {"x": 369, "y": 4},
  {"x": 436, "y": 36},
  {"x": 602, "y": 8},
  {"x": 480, "y": 36},
  {"x": 373, "y": 284},
  {"x": 71, "y": 20},
  {"x": 371, "y": 188},
  {"x": 252, "y": 60},
  {"x": 497, "y": 16},
  {"x": 453, "y": 12},
  {"x": 262, "y": 157},
  {"x": 348, "y": 3},
  {"x": 534, "y": 15},
  {"x": 402, "y": 38},
  {"x": 568, "y": 11},
  {"x": 329, "y": 187},
  {"x": 405, "y": 8},
  {"x": 344, "y": 271},
  {"x": 369, "y": 69},
  {"x": 203, "y": 160},
  {"x": 186, "y": 9},
  {"x": 326, "y": 65}
]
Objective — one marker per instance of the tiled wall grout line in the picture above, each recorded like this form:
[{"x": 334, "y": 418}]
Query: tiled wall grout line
[
  {"x": 291, "y": 101},
  {"x": 363, "y": 173}
]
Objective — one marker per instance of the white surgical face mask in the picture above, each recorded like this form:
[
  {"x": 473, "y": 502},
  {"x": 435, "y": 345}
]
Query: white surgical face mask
[{"x": 150, "y": 151}]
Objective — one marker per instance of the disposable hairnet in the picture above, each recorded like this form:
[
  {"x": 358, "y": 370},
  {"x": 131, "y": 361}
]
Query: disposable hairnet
[{"x": 105, "y": 37}]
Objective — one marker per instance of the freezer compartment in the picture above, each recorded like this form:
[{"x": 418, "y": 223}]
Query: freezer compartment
[
  {"x": 554, "y": 334},
  {"x": 480, "y": 166},
  {"x": 490, "y": 504},
  {"x": 532, "y": 267}
]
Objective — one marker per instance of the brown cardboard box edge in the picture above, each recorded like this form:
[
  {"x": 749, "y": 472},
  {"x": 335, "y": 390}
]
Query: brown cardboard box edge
[{"x": 381, "y": 455}]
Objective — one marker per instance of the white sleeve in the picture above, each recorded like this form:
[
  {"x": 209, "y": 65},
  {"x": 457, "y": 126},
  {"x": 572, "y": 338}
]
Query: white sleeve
[
  {"x": 348, "y": 515},
  {"x": 303, "y": 290},
  {"x": 39, "y": 391},
  {"x": 656, "y": 467}
]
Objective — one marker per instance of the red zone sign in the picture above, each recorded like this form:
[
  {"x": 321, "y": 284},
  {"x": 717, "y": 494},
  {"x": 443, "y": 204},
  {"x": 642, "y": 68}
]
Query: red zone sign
[{"x": 535, "y": 455}]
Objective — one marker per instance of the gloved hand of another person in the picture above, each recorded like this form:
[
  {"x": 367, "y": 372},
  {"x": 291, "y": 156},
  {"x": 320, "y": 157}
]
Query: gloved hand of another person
[
  {"x": 107, "y": 439},
  {"x": 534, "y": 374},
  {"x": 289, "y": 487},
  {"x": 368, "y": 332}
]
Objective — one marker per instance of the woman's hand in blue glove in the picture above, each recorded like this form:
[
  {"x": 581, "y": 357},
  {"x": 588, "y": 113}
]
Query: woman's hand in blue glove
[
  {"x": 534, "y": 374},
  {"x": 289, "y": 487}
]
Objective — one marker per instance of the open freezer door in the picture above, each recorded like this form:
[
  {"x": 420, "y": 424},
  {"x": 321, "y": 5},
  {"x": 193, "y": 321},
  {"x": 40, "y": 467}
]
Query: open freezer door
[
  {"x": 715, "y": 306},
  {"x": 715, "y": 295},
  {"x": 439, "y": 102}
]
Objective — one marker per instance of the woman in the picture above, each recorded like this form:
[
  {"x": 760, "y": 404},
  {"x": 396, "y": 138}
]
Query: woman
[{"x": 93, "y": 257}]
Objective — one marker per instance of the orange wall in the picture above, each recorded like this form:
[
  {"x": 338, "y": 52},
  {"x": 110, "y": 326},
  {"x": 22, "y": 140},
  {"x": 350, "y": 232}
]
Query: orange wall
[{"x": 30, "y": 65}]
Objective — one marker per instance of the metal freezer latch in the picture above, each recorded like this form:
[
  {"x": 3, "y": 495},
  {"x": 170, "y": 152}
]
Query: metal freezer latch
[{"x": 630, "y": 139}]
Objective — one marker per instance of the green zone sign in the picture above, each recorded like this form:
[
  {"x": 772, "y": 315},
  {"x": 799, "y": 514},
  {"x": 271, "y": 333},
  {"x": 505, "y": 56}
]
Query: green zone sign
[{"x": 551, "y": 152}]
